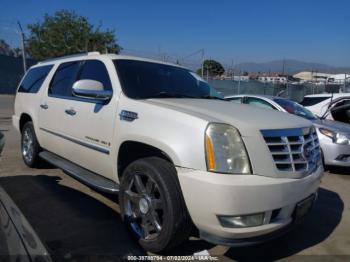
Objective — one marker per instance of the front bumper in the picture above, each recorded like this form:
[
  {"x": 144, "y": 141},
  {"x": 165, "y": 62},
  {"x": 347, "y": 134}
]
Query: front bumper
[
  {"x": 209, "y": 195},
  {"x": 332, "y": 153}
]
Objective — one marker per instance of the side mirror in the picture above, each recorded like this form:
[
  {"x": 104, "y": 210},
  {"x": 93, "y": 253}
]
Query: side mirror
[{"x": 91, "y": 89}]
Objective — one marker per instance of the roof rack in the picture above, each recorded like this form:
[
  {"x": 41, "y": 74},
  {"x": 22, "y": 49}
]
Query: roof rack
[{"x": 70, "y": 56}]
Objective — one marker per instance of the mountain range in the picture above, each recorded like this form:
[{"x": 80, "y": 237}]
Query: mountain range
[{"x": 290, "y": 67}]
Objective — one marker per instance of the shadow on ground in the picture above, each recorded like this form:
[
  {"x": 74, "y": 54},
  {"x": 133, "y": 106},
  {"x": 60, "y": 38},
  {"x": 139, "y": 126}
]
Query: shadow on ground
[
  {"x": 72, "y": 225},
  {"x": 75, "y": 226},
  {"x": 340, "y": 170}
]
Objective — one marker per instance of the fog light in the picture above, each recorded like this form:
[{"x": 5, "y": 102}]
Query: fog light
[{"x": 242, "y": 221}]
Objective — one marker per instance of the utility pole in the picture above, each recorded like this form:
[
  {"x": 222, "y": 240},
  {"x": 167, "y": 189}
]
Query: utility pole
[
  {"x": 202, "y": 62},
  {"x": 201, "y": 51},
  {"x": 23, "y": 48},
  {"x": 239, "y": 82},
  {"x": 232, "y": 72},
  {"x": 345, "y": 83}
]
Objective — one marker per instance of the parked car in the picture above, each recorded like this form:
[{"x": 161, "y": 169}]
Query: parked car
[
  {"x": 2, "y": 142},
  {"x": 334, "y": 136},
  {"x": 329, "y": 106},
  {"x": 176, "y": 153},
  {"x": 18, "y": 240}
]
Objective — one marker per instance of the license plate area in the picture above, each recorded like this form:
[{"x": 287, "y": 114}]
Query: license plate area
[{"x": 302, "y": 208}]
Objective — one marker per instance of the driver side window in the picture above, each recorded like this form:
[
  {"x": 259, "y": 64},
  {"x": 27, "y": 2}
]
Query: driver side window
[{"x": 70, "y": 72}]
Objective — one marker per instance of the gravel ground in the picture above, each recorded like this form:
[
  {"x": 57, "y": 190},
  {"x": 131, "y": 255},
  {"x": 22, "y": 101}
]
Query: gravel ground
[{"x": 77, "y": 223}]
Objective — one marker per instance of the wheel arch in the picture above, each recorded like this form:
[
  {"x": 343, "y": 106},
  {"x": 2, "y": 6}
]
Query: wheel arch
[
  {"x": 131, "y": 150},
  {"x": 24, "y": 118}
]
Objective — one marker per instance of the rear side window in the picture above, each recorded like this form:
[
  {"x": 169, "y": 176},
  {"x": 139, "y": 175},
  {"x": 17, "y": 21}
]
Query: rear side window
[
  {"x": 310, "y": 101},
  {"x": 34, "y": 79},
  {"x": 64, "y": 78},
  {"x": 95, "y": 70}
]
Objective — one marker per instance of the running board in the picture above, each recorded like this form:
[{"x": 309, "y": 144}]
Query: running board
[{"x": 81, "y": 174}]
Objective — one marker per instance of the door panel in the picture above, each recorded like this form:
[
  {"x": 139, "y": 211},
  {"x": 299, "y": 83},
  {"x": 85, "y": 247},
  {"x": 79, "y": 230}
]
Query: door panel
[
  {"x": 91, "y": 130},
  {"x": 79, "y": 129},
  {"x": 51, "y": 114}
]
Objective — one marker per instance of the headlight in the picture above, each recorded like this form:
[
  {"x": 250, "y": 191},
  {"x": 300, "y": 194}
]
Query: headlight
[
  {"x": 342, "y": 139},
  {"x": 225, "y": 151},
  {"x": 337, "y": 138}
]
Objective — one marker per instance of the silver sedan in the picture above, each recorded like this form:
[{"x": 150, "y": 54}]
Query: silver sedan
[{"x": 334, "y": 136}]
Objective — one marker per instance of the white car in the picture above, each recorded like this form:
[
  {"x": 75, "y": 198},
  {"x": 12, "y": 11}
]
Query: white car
[
  {"x": 175, "y": 152},
  {"x": 319, "y": 105},
  {"x": 334, "y": 136}
]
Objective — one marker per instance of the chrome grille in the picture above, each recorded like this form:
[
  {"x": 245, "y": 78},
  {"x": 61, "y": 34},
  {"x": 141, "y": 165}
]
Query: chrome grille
[{"x": 294, "y": 150}]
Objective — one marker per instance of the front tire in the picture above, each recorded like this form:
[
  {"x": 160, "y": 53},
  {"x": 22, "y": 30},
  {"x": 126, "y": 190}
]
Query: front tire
[
  {"x": 152, "y": 205},
  {"x": 30, "y": 147}
]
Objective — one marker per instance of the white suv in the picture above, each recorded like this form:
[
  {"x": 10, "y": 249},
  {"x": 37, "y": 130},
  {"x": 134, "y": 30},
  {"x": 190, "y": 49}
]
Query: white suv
[{"x": 179, "y": 156}]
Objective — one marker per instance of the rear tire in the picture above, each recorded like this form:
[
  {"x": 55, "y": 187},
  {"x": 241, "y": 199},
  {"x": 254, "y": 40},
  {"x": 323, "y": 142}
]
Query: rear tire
[
  {"x": 30, "y": 147},
  {"x": 152, "y": 204}
]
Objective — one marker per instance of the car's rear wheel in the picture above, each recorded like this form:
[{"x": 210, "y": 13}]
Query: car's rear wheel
[
  {"x": 152, "y": 204},
  {"x": 30, "y": 146}
]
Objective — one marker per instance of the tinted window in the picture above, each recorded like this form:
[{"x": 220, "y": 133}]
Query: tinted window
[
  {"x": 258, "y": 102},
  {"x": 310, "y": 101},
  {"x": 142, "y": 80},
  {"x": 295, "y": 109},
  {"x": 64, "y": 78},
  {"x": 34, "y": 79},
  {"x": 96, "y": 70}
]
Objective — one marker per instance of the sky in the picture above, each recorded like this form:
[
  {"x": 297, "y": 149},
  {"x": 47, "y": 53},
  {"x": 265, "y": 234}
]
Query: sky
[{"x": 240, "y": 31}]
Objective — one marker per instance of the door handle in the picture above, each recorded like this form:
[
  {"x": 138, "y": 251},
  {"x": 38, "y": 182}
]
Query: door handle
[
  {"x": 70, "y": 112},
  {"x": 44, "y": 106}
]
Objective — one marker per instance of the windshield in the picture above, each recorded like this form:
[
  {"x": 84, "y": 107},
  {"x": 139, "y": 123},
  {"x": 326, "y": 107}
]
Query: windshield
[
  {"x": 295, "y": 109},
  {"x": 142, "y": 80}
]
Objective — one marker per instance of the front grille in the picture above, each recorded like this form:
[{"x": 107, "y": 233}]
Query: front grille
[{"x": 294, "y": 150}]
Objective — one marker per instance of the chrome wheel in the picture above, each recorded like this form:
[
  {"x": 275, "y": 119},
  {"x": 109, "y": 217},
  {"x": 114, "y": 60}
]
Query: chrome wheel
[
  {"x": 144, "y": 206},
  {"x": 28, "y": 145}
]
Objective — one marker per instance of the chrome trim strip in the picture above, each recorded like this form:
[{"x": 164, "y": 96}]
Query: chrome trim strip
[
  {"x": 285, "y": 132},
  {"x": 295, "y": 151},
  {"x": 93, "y": 147}
]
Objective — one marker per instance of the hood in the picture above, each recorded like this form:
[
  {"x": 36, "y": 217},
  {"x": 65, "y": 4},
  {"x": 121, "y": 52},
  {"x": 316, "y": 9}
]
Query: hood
[
  {"x": 333, "y": 125},
  {"x": 247, "y": 119}
]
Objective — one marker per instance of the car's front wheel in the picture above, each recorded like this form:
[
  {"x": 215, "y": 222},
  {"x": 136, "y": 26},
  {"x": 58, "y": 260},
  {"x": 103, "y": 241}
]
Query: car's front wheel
[
  {"x": 30, "y": 146},
  {"x": 152, "y": 204}
]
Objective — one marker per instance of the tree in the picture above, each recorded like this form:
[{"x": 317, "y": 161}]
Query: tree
[
  {"x": 5, "y": 48},
  {"x": 66, "y": 33},
  {"x": 213, "y": 68}
]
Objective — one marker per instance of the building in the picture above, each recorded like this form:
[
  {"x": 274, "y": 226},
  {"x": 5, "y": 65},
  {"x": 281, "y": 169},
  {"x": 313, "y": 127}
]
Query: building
[
  {"x": 273, "y": 78},
  {"x": 339, "y": 79},
  {"x": 241, "y": 78},
  {"x": 312, "y": 76}
]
